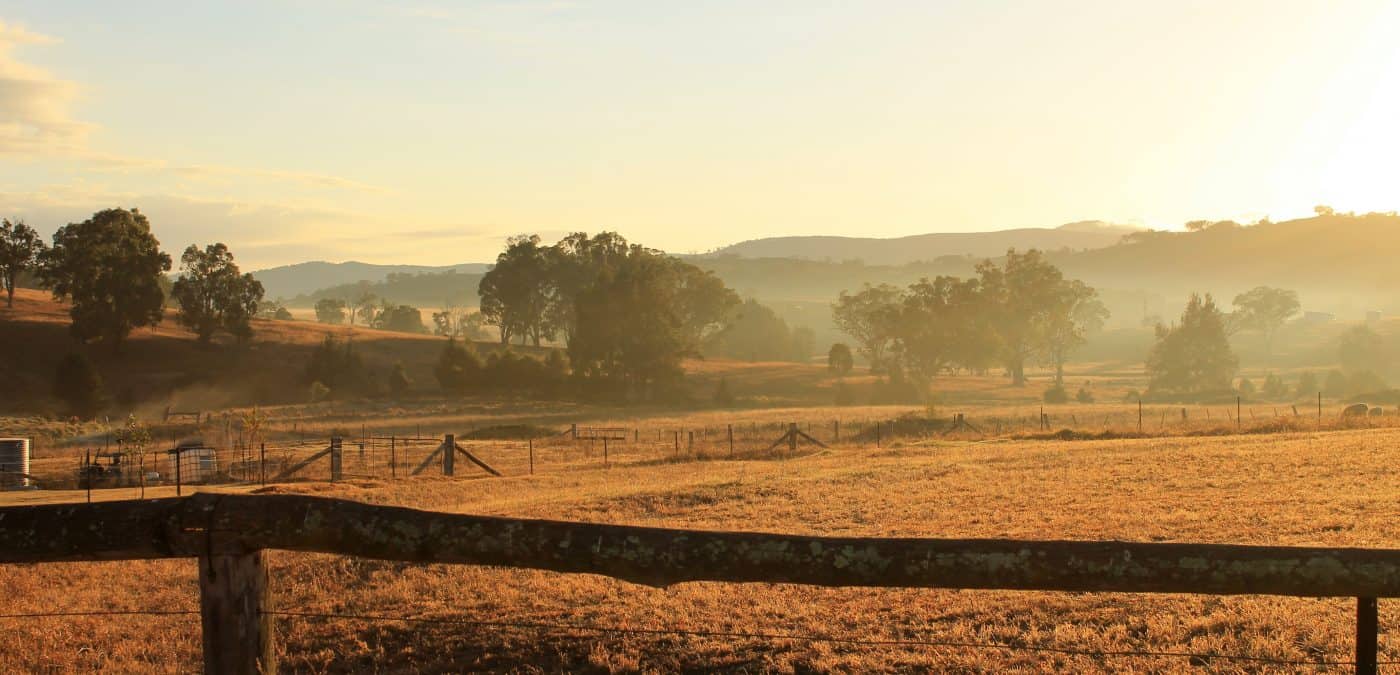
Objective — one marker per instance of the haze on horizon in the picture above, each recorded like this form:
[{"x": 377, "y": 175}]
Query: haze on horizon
[{"x": 427, "y": 133}]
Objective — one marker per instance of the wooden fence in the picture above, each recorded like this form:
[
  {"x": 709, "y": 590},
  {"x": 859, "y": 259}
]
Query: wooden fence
[{"x": 229, "y": 533}]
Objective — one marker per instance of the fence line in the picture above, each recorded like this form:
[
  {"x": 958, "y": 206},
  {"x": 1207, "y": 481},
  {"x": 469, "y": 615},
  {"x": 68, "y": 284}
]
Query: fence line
[{"x": 229, "y": 533}]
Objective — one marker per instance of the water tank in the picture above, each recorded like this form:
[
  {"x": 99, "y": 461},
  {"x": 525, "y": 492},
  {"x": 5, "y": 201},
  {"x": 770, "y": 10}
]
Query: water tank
[{"x": 14, "y": 462}]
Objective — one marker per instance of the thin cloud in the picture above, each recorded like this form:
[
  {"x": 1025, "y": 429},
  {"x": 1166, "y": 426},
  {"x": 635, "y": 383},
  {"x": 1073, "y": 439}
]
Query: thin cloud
[
  {"x": 34, "y": 105},
  {"x": 123, "y": 164},
  {"x": 35, "y": 121}
]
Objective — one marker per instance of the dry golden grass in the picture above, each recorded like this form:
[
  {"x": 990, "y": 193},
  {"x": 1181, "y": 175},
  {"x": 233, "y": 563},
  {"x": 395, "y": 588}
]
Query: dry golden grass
[{"x": 1330, "y": 489}]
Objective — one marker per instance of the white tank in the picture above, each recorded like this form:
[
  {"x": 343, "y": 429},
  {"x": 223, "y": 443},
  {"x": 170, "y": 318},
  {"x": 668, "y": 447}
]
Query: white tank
[{"x": 14, "y": 462}]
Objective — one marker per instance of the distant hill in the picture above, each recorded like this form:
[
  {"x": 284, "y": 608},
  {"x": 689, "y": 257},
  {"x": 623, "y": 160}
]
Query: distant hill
[
  {"x": 1089, "y": 234},
  {"x": 289, "y": 281}
]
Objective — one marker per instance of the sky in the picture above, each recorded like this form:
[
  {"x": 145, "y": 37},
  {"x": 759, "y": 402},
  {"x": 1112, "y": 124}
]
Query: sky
[{"x": 428, "y": 132}]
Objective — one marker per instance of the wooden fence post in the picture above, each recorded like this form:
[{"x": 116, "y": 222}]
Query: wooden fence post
[
  {"x": 1367, "y": 627},
  {"x": 262, "y": 463},
  {"x": 336, "y": 459},
  {"x": 531, "y": 441},
  {"x": 232, "y": 604},
  {"x": 730, "y": 432},
  {"x": 393, "y": 457},
  {"x": 449, "y": 447}
]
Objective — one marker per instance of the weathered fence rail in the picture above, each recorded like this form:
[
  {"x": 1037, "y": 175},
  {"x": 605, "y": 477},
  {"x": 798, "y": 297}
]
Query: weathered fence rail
[{"x": 229, "y": 533}]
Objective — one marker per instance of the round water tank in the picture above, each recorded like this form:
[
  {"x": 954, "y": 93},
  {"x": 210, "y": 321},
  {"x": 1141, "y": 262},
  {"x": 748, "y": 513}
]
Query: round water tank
[{"x": 14, "y": 462}]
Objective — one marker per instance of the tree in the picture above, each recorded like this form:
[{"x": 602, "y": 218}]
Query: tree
[
  {"x": 1266, "y": 309},
  {"x": 78, "y": 385},
  {"x": 20, "y": 247},
  {"x": 515, "y": 294},
  {"x": 574, "y": 263},
  {"x": 754, "y": 332},
  {"x": 366, "y": 307},
  {"x": 458, "y": 368},
  {"x": 275, "y": 310},
  {"x": 1194, "y": 356},
  {"x": 330, "y": 310},
  {"x": 398, "y": 380},
  {"x": 1077, "y": 313},
  {"x": 630, "y": 337},
  {"x": 1273, "y": 387},
  {"x": 703, "y": 303},
  {"x": 111, "y": 267},
  {"x": 941, "y": 326},
  {"x": 213, "y": 295},
  {"x": 870, "y": 317},
  {"x": 1246, "y": 388},
  {"x": 1023, "y": 296},
  {"x": 839, "y": 359},
  {"x": 400, "y": 318}
]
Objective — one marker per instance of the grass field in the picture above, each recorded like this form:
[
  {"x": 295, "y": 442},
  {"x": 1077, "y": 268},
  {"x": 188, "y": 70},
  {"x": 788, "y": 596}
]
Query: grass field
[{"x": 1332, "y": 489}]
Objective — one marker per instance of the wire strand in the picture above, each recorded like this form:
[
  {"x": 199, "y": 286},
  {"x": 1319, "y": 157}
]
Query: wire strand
[
  {"x": 101, "y": 612},
  {"x": 541, "y": 625}
]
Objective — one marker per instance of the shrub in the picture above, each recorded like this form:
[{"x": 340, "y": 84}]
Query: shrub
[
  {"x": 336, "y": 366},
  {"x": 1133, "y": 396},
  {"x": 1056, "y": 394},
  {"x": 1246, "y": 388},
  {"x": 457, "y": 369},
  {"x": 1084, "y": 395},
  {"x": 318, "y": 392},
  {"x": 1274, "y": 387}
]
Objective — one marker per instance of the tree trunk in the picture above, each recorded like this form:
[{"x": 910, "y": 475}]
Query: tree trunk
[{"x": 1018, "y": 372}]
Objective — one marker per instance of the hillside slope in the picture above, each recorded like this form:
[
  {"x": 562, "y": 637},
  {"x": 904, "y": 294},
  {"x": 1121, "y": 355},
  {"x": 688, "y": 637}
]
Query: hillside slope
[{"x": 927, "y": 247}]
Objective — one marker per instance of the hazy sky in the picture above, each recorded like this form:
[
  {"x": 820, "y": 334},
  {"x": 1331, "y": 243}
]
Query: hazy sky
[{"x": 427, "y": 132}]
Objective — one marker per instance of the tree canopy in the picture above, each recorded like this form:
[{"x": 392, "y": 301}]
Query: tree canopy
[
  {"x": 20, "y": 247},
  {"x": 1194, "y": 356},
  {"x": 213, "y": 295},
  {"x": 111, "y": 267},
  {"x": 1265, "y": 309}
]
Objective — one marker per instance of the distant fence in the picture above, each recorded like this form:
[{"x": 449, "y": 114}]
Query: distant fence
[
  {"x": 229, "y": 533},
  {"x": 377, "y": 454}
]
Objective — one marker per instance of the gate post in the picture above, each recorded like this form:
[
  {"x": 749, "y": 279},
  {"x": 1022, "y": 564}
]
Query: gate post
[
  {"x": 449, "y": 453},
  {"x": 232, "y": 604}
]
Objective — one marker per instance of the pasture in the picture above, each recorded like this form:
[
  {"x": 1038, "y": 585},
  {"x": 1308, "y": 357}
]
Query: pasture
[{"x": 1329, "y": 488}]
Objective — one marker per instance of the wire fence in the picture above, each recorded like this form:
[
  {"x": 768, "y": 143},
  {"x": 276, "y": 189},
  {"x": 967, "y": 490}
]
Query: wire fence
[{"x": 233, "y": 458}]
